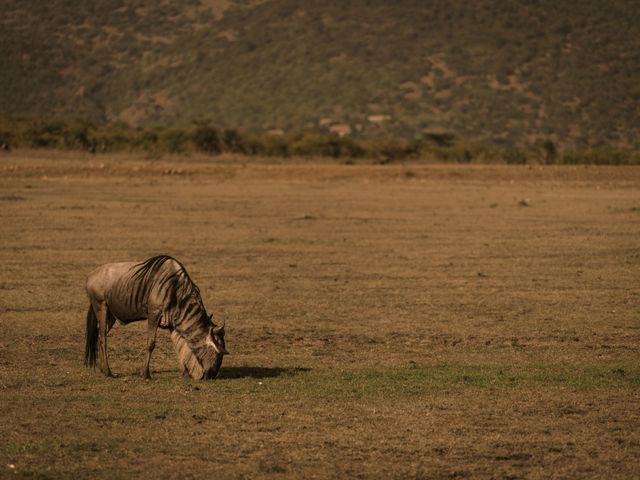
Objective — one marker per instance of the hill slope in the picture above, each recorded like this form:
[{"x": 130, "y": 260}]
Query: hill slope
[{"x": 509, "y": 71}]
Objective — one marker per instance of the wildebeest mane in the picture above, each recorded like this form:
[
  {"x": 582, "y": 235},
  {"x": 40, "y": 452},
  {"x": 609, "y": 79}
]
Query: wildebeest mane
[{"x": 151, "y": 269}]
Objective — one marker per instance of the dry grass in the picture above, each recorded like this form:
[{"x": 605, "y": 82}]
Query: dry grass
[{"x": 430, "y": 325}]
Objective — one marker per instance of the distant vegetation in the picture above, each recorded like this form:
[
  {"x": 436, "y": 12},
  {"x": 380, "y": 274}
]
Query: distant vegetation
[
  {"x": 202, "y": 137},
  {"x": 514, "y": 74}
]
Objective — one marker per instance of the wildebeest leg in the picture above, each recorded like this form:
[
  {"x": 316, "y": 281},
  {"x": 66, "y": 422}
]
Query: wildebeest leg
[
  {"x": 100, "y": 308},
  {"x": 111, "y": 320},
  {"x": 152, "y": 328}
]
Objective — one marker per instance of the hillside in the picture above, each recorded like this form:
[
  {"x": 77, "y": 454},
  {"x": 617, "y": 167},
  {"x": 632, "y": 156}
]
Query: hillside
[{"x": 506, "y": 71}]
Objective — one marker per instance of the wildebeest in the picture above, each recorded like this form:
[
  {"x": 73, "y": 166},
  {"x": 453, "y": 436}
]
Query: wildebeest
[{"x": 160, "y": 291}]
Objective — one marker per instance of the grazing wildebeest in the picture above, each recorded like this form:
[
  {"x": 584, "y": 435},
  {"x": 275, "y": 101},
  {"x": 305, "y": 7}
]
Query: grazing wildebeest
[{"x": 160, "y": 291}]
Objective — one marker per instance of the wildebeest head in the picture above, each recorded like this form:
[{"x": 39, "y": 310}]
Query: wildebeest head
[
  {"x": 201, "y": 360},
  {"x": 212, "y": 360}
]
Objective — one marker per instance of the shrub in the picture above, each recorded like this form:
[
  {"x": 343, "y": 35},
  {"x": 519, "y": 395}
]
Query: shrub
[
  {"x": 145, "y": 140},
  {"x": 393, "y": 149},
  {"x": 6, "y": 139},
  {"x": 174, "y": 140},
  {"x": 233, "y": 142},
  {"x": 76, "y": 136},
  {"x": 549, "y": 151},
  {"x": 599, "y": 156},
  {"x": 109, "y": 141},
  {"x": 45, "y": 134},
  {"x": 514, "y": 156},
  {"x": 351, "y": 148},
  {"x": 442, "y": 139},
  {"x": 270, "y": 145},
  {"x": 207, "y": 139},
  {"x": 315, "y": 144}
]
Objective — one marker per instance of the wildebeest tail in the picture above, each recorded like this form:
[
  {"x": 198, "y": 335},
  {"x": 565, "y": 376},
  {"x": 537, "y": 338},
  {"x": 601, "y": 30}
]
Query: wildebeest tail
[{"x": 91, "y": 345}]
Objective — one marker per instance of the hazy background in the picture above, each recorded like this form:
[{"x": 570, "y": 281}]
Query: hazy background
[{"x": 498, "y": 71}]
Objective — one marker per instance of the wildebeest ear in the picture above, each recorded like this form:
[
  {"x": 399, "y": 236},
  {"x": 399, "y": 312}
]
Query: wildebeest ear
[{"x": 211, "y": 317}]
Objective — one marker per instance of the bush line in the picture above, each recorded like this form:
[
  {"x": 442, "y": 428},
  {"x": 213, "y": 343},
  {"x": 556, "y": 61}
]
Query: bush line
[{"x": 202, "y": 137}]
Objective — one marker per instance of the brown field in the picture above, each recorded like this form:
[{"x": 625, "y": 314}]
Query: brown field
[{"x": 403, "y": 321}]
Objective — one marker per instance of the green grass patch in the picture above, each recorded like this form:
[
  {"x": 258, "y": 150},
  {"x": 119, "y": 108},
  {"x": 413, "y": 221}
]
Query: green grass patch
[
  {"x": 129, "y": 400},
  {"x": 424, "y": 379}
]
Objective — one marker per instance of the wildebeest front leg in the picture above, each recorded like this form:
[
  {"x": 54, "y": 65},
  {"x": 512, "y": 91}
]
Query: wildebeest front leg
[{"x": 152, "y": 328}]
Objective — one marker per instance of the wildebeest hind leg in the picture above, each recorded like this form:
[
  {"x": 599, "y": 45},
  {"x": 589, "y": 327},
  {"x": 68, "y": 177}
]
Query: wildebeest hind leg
[
  {"x": 152, "y": 328},
  {"x": 104, "y": 324},
  {"x": 111, "y": 320}
]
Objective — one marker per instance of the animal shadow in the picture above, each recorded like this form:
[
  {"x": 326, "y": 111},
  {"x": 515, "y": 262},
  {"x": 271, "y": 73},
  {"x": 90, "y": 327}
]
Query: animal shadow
[{"x": 258, "y": 372}]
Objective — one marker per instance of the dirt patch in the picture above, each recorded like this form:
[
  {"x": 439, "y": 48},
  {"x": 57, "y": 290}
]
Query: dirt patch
[{"x": 217, "y": 7}]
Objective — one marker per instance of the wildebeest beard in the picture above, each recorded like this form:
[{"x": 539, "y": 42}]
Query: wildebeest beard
[{"x": 200, "y": 360}]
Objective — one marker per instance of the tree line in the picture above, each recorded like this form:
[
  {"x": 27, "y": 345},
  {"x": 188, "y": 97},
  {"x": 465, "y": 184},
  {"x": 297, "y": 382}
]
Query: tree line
[{"x": 205, "y": 138}]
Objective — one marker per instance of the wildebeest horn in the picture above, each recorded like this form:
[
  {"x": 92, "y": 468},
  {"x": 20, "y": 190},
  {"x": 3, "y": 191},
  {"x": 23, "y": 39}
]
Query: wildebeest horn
[
  {"x": 218, "y": 329},
  {"x": 221, "y": 326}
]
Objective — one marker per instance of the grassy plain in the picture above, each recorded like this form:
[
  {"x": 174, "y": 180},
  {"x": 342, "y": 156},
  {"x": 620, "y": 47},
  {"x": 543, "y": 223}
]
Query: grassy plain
[{"x": 398, "y": 321}]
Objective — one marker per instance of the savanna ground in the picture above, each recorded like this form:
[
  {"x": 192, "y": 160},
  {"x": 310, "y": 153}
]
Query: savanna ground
[{"x": 407, "y": 321}]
